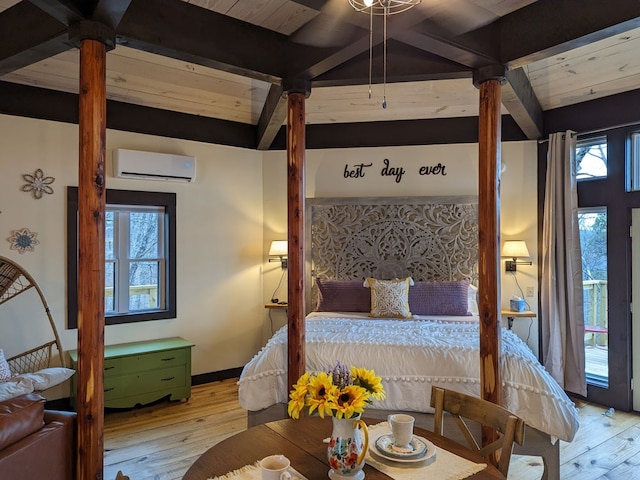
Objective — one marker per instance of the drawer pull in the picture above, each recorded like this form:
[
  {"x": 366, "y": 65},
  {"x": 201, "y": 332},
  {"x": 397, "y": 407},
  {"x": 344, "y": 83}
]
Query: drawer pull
[
  {"x": 167, "y": 379},
  {"x": 109, "y": 368},
  {"x": 168, "y": 359},
  {"x": 108, "y": 389}
]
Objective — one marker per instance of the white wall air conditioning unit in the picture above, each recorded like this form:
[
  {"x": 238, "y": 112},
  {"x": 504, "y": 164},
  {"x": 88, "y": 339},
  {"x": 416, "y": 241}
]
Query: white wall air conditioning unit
[{"x": 153, "y": 166}]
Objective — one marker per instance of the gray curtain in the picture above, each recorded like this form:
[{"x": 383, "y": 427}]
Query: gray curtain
[{"x": 561, "y": 314}]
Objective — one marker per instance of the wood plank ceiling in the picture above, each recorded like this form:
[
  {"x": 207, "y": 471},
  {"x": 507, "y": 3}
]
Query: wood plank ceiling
[{"x": 231, "y": 59}]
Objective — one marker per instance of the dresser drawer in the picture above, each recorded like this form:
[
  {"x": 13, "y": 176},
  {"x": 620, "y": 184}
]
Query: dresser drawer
[
  {"x": 140, "y": 363},
  {"x": 147, "y": 382}
]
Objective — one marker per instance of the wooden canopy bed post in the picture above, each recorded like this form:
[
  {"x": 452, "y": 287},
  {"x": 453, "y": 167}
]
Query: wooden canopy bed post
[
  {"x": 296, "y": 146},
  {"x": 489, "y": 138},
  {"x": 92, "y": 38}
]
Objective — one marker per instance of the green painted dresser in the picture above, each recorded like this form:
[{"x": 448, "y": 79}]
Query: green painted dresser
[{"x": 143, "y": 372}]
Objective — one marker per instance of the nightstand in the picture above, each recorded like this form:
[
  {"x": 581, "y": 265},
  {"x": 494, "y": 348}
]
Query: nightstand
[
  {"x": 511, "y": 315},
  {"x": 277, "y": 306}
]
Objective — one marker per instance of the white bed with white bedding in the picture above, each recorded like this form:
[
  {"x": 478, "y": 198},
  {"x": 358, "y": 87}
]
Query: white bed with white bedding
[
  {"x": 433, "y": 241},
  {"x": 411, "y": 355}
]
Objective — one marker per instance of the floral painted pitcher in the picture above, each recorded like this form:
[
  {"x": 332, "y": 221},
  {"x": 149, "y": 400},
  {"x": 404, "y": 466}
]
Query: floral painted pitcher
[{"x": 347, "y": 448}]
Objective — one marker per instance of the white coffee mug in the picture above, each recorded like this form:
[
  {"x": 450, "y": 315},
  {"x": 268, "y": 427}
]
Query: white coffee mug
[
  {"x": 401, "y": 428},
  {"x": 274, "y": 467}
]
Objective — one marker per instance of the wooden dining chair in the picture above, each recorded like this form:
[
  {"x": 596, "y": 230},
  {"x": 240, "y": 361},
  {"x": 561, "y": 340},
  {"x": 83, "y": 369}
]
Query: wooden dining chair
[{"x": 483, "y": 412}]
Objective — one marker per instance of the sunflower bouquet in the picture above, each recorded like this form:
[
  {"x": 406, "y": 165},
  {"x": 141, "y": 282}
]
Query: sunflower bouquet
[{"x": 341, "y": 392}]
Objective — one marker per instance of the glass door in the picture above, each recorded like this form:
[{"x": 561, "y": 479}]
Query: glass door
[
  {"x": 593, "y": 242},
  {"x": 635, "y": 314},
  {"x": 608, "y": 177}
]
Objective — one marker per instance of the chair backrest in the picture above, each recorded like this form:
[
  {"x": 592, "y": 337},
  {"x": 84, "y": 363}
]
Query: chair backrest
[{"x": 486, "y": 413}]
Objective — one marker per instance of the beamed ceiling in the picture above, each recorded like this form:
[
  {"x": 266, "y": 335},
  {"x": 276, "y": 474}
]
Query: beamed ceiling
[{"x": 219, "y": 70}]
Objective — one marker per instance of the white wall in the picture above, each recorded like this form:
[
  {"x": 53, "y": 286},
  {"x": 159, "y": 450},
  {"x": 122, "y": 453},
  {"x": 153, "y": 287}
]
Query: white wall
[
  {"x": 219, "y": 235},
  {"x": 519, "y": 221},
  {"x": 325, "y": 178},
  {"x": 226, "y": 220}
]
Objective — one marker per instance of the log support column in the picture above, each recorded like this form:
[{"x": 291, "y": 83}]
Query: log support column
[
  {"x": 296, "y": 95},
  {"x": 92, "y": 38},
  {"x": 489, "y": 138}
]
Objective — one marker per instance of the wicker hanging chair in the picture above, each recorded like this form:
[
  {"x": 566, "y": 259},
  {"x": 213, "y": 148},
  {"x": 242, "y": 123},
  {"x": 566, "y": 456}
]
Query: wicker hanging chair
[{"x": 15, "y": 280}]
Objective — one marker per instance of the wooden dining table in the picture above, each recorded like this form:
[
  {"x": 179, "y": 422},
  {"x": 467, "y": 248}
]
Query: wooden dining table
[{"x": 302, "y": 442}]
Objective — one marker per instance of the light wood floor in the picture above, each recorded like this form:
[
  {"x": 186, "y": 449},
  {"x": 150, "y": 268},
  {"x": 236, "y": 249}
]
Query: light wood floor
[{"x": 161, "y": 441}]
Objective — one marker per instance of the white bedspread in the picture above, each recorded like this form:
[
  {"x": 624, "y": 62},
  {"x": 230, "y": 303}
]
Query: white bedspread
[{"x": 410, "y": 356}]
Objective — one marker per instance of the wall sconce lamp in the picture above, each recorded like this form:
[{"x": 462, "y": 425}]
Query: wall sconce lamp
[
  {"x": 515, "y": 249},
  {"x": 279, "y": 252}
]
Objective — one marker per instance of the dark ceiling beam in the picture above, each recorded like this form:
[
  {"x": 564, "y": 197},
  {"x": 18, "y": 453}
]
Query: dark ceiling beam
[
  {"x": 549, "y": 27},
  {"x": 343, "y": 55},
  {"x": 599, "y": 114},
  {"x": 313, "y": 4},
  {"x": 28, "y": 36},
  {"x": 440, "y": 131},
  {"x": 190, "y": 33},
  {"x": 522, "y": 104},
  {"x": 107, "y": 12},
  {"x": 276, "y": 108},
  {"x": 473, "y": 49},
  {"x": 411, "y": 29},
  {"x": 111, "y": 12},
  {"x": 404, "y": 64},
  {"x": 65, "y": 11},
  {"x": 444, "y": 49},
  {"x": 273, "y": 115},
  {"x": 41, "y": 103}
]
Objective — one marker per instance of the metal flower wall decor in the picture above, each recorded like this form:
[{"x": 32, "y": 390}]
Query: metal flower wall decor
[
  {"x": 37, "y": 184},
  {"x": 23, "y": 240}
]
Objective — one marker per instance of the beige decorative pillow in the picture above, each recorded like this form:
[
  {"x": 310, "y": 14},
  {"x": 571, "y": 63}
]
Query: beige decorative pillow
[{"x": 389, "y": 298}]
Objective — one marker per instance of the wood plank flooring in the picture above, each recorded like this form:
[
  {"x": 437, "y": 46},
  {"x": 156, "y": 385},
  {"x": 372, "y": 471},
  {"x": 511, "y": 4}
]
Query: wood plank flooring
[{"x": 161, "y": 441}]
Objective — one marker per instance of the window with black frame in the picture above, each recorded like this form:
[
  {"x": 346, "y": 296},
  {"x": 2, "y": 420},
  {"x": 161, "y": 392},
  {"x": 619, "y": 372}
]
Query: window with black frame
[{"x": 140, "y": 251}]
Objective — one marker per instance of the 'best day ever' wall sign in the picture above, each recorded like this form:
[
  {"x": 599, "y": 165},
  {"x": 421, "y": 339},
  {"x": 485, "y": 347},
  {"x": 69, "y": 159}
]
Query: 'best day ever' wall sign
[{"x": 359, "y": 170}]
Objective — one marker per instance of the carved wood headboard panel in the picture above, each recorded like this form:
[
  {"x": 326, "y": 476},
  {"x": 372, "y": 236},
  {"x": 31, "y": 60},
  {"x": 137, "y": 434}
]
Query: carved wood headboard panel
[{"x": 427, "y": 238}]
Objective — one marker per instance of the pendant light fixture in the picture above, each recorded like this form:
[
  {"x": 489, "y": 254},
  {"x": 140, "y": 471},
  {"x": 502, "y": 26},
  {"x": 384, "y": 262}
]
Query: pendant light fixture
[{"x": 382, "y": 8}]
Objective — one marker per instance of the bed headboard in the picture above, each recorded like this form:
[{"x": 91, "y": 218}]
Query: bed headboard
[{"x": 427, "y": 238}]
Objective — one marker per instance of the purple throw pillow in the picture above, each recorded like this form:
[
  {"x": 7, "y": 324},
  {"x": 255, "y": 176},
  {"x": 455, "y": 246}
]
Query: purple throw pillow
[
  {"x": 342, "y": 296},
  {"x": 440, "y": 298}
]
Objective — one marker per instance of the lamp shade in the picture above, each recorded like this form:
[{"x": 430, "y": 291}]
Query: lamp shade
[
  {"x": 515, "y": 249},
  {"x": 278, "y": 248}
]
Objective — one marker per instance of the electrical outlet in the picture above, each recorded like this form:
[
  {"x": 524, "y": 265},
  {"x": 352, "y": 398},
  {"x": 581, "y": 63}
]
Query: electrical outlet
[{"x": 529, "y": 291}]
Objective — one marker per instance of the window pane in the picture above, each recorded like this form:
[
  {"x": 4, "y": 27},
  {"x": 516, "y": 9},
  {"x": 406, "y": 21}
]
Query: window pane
[
  {"x": 143, "y": 235},
  {"x": 591, "y": 158},
  {"x": 109, "y": 220},
  {"x": 109, "y": 282},
  {"x": 593, "y": 242},
  {"x": 143, "y": 285},
  {"x": 152, "y": 283}
]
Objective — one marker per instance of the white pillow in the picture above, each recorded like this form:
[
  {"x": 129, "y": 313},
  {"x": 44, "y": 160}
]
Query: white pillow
[
  {"x": 473, "y": 300},
  {"x": 5, "y": 371},
  {"x": 15, "y": 387},
  {"x": 48, "y": 377}
]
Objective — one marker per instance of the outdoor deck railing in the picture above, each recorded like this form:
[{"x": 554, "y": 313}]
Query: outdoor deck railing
[
  {"x": 147, "y": 294},
  {"x": 596, "y": 320}
]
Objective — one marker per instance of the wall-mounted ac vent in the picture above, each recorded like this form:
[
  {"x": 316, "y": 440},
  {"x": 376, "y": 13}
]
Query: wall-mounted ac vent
[{"x": 153, "y": 166}]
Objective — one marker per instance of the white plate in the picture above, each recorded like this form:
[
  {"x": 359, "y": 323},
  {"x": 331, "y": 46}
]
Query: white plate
[
  {"x": 416, "y": 448},
  {"x": 430, "y": 453}
]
